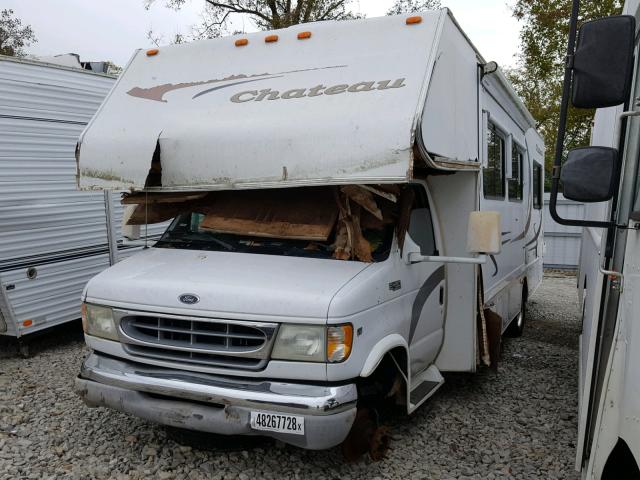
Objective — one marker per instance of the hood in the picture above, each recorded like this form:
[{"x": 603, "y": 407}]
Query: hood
[{"x": 226, "y": 283}]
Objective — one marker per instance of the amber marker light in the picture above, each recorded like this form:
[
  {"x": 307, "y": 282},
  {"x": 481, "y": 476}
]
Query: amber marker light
[
  {"x": 242, "y": 42},
  {"x": 27, "y": 323},
  {"x": 339, "y": 342},
  {"x": 83, "y": 314},
  {"x": 304, "y": 35},
  {"x": 271, "y": 38},
  {"x": 414, "y": 20},
  {"x": 152, "y": 52}
]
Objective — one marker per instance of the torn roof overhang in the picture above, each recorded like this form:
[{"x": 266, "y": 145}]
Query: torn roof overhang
[{"x": 340, "y": 107}]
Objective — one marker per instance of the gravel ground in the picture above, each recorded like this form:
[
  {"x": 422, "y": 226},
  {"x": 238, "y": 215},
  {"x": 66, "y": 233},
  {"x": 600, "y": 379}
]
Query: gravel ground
[{"x": 519, "y": 423}]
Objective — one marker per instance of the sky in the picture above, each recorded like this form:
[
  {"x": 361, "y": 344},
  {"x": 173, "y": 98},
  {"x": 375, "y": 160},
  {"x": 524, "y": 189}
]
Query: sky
[{"x": 112, "y": 29}]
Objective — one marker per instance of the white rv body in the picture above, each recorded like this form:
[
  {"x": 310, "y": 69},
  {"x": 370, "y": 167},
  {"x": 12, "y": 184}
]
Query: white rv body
[
  {"x": 367, "y": 102},
  {"x": 53, "y": 238},
  {"x": 609, "y": 402}
]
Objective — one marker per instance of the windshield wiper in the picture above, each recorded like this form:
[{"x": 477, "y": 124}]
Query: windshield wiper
[{"x": 189, "y": 241}]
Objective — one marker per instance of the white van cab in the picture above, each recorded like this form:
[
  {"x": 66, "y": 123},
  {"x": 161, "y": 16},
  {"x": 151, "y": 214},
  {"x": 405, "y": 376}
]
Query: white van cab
[{"x": 356, "y": 209}]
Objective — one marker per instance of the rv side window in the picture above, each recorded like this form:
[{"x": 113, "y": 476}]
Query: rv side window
[
  {"x": 515, "y": 182},
  {"x": 537, "y": 186},
  {"x": 493, "y": 173}
]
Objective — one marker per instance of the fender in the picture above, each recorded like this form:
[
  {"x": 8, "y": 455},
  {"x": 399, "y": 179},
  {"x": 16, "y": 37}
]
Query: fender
[{"x": 380, "y": 349}]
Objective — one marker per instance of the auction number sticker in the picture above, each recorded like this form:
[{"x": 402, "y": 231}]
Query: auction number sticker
[{"x": 277, "y": 422}]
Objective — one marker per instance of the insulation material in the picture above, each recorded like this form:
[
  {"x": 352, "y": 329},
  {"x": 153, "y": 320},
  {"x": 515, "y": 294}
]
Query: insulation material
[
  {"x": 494, "y": 330},
  {"x": 389, "y": 216},
  {"x": 302, "y": 214},
  {"x": 158, "y": 212},
  {"x": 343, "y": 245},
  {"x": 159, "y": 207},
  {"x": 350, "y": 242},
  {"x": 364, "y": 198},
  {"x": 390, "y": 192},
  {"x": 349, "y": 221},
  {"x": 361, "y": 246}
]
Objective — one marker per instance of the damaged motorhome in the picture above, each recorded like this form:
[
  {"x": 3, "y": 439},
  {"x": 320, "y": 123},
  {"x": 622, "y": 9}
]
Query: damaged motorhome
[{"x": 327, "y": 255}]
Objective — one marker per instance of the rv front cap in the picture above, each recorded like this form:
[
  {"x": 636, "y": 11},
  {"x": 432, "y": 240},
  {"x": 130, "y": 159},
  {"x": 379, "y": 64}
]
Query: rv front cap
[{"x": 318, "y": 90}]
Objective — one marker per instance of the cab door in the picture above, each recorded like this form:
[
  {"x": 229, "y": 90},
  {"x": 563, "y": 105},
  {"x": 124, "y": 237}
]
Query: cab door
[{"x": 427, "y": 284}]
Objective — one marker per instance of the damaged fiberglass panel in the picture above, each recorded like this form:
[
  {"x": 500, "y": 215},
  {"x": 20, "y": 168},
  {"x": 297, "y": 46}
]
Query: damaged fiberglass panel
[{"x": 352, "y": 222}]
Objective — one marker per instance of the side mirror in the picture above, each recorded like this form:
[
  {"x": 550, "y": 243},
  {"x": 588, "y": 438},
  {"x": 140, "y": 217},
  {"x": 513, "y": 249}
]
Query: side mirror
[
  {"x": 484, "y": 233},
  {"x": 589, "y": 174},
  {"x": 483, "y": 237},
  {"x": 603, "y": 62}
]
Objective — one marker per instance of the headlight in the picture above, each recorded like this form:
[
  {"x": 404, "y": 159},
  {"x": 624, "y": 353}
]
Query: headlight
[
  {"x": 300, "y": 342},
  {"x": 313, "y": 343},
  {"x": 98, "y": 321}
]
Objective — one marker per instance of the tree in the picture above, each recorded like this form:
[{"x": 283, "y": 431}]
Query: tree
[
  {"x": 540, "y": 68},
  {"x": 13, "y": 36},
  {"x": 410, "y": 6},
  {"x": 218, "y": 16}
]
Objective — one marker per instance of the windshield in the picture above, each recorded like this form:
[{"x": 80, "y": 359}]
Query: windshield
[
  {"x": 304, "y": 222},
  {"x": 186, "y": 232}
]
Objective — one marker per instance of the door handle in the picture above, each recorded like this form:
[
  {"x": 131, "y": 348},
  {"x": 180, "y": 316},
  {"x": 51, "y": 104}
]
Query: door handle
[{"x": 441, "y": 295}]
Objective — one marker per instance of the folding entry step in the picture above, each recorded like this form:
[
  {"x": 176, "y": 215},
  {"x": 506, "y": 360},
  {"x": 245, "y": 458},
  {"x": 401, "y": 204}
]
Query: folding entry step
[{"x": 423, "y": 386}]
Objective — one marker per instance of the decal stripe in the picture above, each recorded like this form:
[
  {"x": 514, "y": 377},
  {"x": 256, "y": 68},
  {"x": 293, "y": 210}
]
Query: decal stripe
[
  {"x": 535, "y": 238},
  {"x": 495, "y": 264},
  {"x": 421, "y": 298},
  {"x": 213, "y": 89}
]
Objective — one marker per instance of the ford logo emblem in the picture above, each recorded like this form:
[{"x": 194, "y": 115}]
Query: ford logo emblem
[{"x": 189, "y": 298}]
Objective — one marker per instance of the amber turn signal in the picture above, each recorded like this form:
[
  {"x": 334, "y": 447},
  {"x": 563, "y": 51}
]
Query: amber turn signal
[
  {"x": 83, "y": 315},
  {"x": 339, "y": 342}
]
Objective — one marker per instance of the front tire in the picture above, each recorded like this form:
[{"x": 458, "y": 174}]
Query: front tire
[{"x": 516, "y": 327}]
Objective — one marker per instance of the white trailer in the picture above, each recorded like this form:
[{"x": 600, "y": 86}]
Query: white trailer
[
  {"x": 603, "y": 73},
  {"x": 309, "y": 134},
  {"x": 53, "y": 238}
]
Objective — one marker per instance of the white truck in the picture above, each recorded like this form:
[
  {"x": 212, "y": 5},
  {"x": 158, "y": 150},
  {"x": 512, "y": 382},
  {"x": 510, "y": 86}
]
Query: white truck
[
  {"x": 357, "y": 209},
  {"x": 602, "y": 72}
]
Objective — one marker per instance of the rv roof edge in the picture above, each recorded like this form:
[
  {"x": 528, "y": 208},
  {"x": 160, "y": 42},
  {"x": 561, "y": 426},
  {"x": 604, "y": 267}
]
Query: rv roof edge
[{"x": 368, "y": 116}]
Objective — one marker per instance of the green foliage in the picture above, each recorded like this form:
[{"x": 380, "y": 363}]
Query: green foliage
[
  {"x": 539, "y": 75},
  {"x": 410, "y": 6},
  {"x": 13, "y": 36}
]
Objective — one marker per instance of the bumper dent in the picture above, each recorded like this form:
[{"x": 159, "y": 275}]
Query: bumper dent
[{"x": 224, "y": 404}]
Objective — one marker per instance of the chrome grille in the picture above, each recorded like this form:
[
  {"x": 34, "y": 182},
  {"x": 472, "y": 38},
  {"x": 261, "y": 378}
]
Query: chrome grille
[{"x": 202, "y": 341}]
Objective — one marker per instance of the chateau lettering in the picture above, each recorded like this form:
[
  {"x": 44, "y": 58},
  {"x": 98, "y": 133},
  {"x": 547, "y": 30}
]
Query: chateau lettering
[{"x": 317, "y": 91}]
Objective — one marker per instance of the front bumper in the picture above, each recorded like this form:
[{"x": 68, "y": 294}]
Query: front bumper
[{"x": 216, "y": 404}]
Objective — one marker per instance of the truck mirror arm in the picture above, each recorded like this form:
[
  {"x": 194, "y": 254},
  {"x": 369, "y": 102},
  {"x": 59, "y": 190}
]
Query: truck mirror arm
[
  {"x": 557, "y": 164},
  {"x": 564, "y": 108}
]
